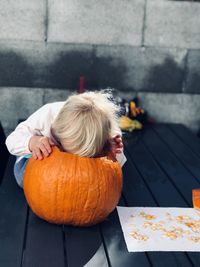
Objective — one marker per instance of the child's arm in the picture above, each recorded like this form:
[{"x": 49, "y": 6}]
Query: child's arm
[{"x": 34, "y": 127}]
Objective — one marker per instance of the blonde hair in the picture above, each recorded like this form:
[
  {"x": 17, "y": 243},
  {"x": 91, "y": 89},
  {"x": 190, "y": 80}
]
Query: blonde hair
[{"x": 86, "y": 122}]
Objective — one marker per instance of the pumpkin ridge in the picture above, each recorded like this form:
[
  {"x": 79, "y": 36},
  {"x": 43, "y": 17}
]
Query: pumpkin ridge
[
  {"x": 103, "y": 184},
  {"x": 60, "y": 186},
  {"x": 87, "y": 196},
  {"x": 71, "y": 191},
  {"x": 56, "y": 208},
  {"x": 101, "y": 181},
  {"x": 64, "y": 194},
  {"x": 64, "y": 191},
  {"x": 53, "y": 209},
  {"x": 77, "y": 194},
  {"x": 40, "y": 196},
  {"x": 91, "y": 166},
  {"x": 108, "y": 182},
  {"x": 92, "y": 215}
]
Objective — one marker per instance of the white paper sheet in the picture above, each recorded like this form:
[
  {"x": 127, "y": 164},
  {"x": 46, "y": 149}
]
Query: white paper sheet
[{"x": 160, "y": 229}]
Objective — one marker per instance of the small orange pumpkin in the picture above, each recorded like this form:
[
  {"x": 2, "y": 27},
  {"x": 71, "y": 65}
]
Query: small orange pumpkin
[
  {"x": 196, "y": 198},
  {"x": 68, "y": 189}
]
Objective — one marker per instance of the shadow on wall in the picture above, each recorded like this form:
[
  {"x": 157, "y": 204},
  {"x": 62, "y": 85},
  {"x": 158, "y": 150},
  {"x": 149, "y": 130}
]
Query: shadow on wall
[
  {"x": 167, "y": 77},
  {"x": 99, "y": 72},
  {"x": 109, "y": 74},
  {"x": 15, "y": 71},
  {"x": 64, "y": 72}
]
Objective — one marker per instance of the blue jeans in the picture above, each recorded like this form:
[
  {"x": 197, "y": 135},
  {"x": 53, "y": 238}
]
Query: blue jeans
[{"x": 19, "y": 169}]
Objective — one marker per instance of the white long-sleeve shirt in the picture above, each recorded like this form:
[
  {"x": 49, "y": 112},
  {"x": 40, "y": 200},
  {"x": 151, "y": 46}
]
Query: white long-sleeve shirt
[{"x": 39, "y": 123}]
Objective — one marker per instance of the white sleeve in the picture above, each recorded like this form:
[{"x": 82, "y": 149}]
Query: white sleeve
[
  {"x": 17, "y": 142},
  {"x": 121, "y": 158}
]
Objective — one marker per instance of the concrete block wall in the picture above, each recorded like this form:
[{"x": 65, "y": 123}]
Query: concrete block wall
[
  {"x": 144, "y": 47},
  {"x": 20, "y": 102}
]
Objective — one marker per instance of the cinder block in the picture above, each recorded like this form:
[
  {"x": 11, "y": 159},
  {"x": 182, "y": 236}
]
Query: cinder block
[
  {"x": 140, "y": 69},
  {"x": 48, "y": 66},
  {"x": 55, "y": 95},
  {"x": 193, "y": 73},
  {"x": 67, "y": 64},
  {"x": 18, "y": 103},
  {"x": 22, "y": 20},
  {"x": 172, "y": 24},
  {"x": 15, "y": 69},
  {"x": 96, "y": 22},
  {"x": 172, "y": 108}
]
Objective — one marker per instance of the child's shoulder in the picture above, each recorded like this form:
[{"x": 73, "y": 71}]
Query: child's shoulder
[
  {"x": 53, "y": 107},
  {"x": 58, "y": 104},
  {"x": 47, "y": 111}
]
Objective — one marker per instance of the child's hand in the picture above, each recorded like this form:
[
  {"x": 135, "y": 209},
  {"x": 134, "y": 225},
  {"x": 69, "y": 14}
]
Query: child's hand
[
  {"x": 116, "y": 144},
  {"x": 112, "y": 147},
  {"x": 40, "y": 146}
]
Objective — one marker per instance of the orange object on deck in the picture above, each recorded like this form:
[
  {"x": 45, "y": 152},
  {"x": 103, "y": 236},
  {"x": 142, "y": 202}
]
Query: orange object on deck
[{"x": 196, "y": 198}]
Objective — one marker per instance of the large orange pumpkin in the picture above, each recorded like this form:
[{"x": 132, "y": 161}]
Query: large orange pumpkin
[{"x": 67, "y": 189}]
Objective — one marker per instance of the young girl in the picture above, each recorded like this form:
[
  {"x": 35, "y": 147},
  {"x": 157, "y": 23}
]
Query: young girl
[{"x": 85, "y": 124}]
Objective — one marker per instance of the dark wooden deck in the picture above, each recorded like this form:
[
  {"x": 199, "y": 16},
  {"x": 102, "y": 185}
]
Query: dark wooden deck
[{"x": 162, "y": 169}]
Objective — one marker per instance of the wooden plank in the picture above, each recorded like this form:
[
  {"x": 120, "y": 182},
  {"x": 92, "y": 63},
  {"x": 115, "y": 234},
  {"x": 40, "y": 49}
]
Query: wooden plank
[
  {"x": 98, "y": 259},
  {"x": 182, "y": 179},
  {"x": 177, "y": 173},
  {"x": 153, "y": 176},
  {"x": 44, "y": 245},
  {"x": 136, "y": 192},
  {"x": 147, "y": 197},
  {"x": 13, "y": 210},
  {"x": 187, "y": 136},
  {"x": 116, "y": 247},
  {"x": 190, "y": 160},
  {"x": 84, "y": 246},
  {"x": 4, "y": 155}
]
